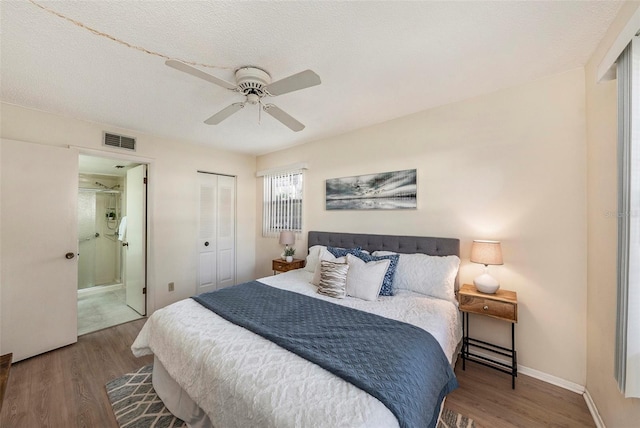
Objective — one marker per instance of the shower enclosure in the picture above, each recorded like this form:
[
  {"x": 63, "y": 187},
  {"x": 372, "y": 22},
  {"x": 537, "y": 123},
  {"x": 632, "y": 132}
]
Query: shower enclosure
[{"x": 99, "y": 217}]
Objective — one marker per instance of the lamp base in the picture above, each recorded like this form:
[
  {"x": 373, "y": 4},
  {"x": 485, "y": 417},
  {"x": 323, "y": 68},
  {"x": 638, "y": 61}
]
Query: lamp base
[{"x": 485, "y": 283}]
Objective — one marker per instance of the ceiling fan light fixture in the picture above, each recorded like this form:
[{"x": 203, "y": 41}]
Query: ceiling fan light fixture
[
  {"x": 255, "y": 83},
  {"x": 253, "y": 98}
]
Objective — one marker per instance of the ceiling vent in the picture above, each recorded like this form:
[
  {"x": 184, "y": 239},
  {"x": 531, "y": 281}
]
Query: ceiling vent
[{"x": 120, "y": 141}]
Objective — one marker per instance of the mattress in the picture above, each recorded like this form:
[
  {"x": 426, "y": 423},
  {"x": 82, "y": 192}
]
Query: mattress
[{"x": 239, "y": 379}]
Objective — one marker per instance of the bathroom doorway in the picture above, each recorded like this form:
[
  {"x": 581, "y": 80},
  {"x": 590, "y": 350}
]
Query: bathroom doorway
[{"x": 105, "y": 267}]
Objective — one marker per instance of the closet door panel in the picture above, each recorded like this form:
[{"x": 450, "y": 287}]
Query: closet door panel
[
  {"x": 207, "y": 233},
  {"x": 226, "y": 238}
]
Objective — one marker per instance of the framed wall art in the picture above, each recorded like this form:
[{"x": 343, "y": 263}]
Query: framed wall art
[{"x": 382, "y": 191}]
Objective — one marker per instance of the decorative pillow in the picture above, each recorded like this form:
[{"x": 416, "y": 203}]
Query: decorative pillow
[
  {"x": 314, "y": 257},
  {"x": 364, "y": 280},
  {"x": 430, "y": 275},
  {"x": 387, "y": 284},
  {"x": 341, "y": 252},
  {"x": 333, "y": 279},
  {"x": 384, "y": 253},
  {"x": 325, "y": 255}
]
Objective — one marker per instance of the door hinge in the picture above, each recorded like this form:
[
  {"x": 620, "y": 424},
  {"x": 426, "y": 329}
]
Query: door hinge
[
  {"x": 144, "y": 180},
  {"x": 144, "y": 290}
]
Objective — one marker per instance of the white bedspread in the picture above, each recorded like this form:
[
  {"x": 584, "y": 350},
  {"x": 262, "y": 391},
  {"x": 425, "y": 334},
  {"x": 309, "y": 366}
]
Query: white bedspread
[{"x": 243, "y": 380}]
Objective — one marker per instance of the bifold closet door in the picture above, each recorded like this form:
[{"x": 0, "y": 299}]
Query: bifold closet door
[{"x": 216, "y": 232}]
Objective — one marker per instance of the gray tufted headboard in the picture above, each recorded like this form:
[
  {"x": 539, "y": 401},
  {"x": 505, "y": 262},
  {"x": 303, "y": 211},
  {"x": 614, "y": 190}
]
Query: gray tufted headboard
[
  {"x": 398, "y": 244},
  {"x": 395, "y": 243}
]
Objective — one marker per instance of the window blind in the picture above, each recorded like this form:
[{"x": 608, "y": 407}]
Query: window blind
[{"x": 282, "y": 202}]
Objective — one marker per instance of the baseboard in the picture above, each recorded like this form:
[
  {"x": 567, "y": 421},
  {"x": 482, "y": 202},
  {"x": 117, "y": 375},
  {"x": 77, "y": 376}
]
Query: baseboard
[
  {"x": 96, "y": 289},
  {"x": 545, "y": 377},
  {"x": 593, "y": 409},
  {"x": 553, "y": 380}
]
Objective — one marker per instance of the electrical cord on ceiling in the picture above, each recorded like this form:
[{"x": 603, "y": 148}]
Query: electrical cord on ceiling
[{"x": 120, "y": 41}]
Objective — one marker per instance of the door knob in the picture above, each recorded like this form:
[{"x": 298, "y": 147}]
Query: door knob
[
  {"x": 69, "y": 256},
  {"x": 125, "y": 244},
  {"x": 206, "y": 244}
]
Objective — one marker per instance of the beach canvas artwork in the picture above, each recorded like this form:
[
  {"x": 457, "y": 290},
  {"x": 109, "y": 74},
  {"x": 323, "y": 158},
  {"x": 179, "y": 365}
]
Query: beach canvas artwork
[{"x": 382, "y": 191}]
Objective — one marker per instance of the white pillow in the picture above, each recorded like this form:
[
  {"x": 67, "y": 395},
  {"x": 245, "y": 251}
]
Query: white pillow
[
  {"x": 364, "y": 280},
  {"x": 384, "y": 253},
  {"x": 327, "y": 256},
  {"x": 431, "y": 275},
  {"x": 313, "y": 258}
]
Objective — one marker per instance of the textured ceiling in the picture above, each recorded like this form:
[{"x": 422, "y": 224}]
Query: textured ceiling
[{"x": 377, "y": 60}]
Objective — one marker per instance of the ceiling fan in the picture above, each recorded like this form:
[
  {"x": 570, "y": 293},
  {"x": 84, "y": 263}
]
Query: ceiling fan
[{"x": 255, "y": 84}]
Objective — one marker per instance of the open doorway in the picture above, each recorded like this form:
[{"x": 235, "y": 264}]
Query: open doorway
[{"x": 111, "y": 242}]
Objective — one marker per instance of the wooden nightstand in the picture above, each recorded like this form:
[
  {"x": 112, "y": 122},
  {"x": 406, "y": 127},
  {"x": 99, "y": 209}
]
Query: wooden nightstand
[
  {"x": 279, "y": 265},
  {"x": 503, "y": 306}
]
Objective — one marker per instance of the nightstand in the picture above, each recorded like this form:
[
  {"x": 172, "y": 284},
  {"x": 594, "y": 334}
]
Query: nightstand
[
  {"x": 279, "y": 265},
  {"x": 503, "y": 305}
]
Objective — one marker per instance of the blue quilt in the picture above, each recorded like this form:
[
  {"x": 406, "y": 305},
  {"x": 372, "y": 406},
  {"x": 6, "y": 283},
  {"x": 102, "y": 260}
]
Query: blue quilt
[{"x": 401, "y": 365}]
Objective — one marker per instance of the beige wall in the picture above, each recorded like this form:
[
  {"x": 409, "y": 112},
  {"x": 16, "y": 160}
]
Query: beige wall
[
  {"x": 173, "y": 193},
  {"x": 615, "y": 410},
  {"x": 509, "y": 166}
]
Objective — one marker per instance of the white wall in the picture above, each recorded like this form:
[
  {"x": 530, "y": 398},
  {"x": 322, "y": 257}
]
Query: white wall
[
  {"x": 509, "y": 166},
  {"x": 615, "y": 410},
  {"x": 173, "y": 193}
]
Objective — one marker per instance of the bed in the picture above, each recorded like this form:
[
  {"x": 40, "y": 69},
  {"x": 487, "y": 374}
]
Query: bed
[{"x": 211, "y": 372}]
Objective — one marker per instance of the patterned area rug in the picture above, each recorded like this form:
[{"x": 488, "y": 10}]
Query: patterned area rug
[
  {"x": 451, "y": 419},
  {"x": 136, "y": 405}
]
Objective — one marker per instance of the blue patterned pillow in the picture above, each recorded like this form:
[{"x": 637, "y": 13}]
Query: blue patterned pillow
[
  {"x": 342, "y": 252},
  {"x": 387, "y": 284}
]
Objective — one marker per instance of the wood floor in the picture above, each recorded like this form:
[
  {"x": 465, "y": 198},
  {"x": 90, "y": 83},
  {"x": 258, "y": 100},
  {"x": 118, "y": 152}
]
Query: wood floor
[
  {"x": 65, "y": 388},
  {"x": 485, "y": 395}
]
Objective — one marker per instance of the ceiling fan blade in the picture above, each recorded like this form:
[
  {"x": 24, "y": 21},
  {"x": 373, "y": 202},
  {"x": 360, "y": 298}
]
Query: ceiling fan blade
[
  {"x": 179, "y": 65},
  {"x": 224, "y": 113},
  {"x": 295, "y": 82},
  {"x": 283, "y": 117}
]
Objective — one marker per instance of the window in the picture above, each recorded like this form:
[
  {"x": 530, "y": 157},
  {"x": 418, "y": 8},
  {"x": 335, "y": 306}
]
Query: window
[
  {"x": 282, "y": 202},
  {"x": 627, "y": 363}
]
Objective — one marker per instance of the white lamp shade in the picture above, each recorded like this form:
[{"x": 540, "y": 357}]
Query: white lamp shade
[
  {"x": 287, "y": 237},
  {"x": 486, "y": 252}
]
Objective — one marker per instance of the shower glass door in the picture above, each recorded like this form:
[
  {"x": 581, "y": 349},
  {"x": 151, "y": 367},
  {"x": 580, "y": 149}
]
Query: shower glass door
[{"x": 86, "y": 239}]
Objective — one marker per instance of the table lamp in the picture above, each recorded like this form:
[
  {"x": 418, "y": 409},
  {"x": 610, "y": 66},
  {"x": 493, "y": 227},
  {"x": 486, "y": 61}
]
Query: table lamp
[
  {"x": 486, "y": 253},
  {"x": 287, "y": 237}
]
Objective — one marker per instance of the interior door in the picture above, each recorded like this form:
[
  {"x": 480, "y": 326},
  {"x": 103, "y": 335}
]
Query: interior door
[
  {"x": 226, "y": 236},
  {"x": 39, "y": 244},
  {"x": 207, "y": 264},
  {"x": 134, "y": 243}
]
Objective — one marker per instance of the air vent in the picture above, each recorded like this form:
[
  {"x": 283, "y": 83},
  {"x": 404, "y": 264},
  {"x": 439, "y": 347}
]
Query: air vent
[{"x": 114, "y": 140}]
